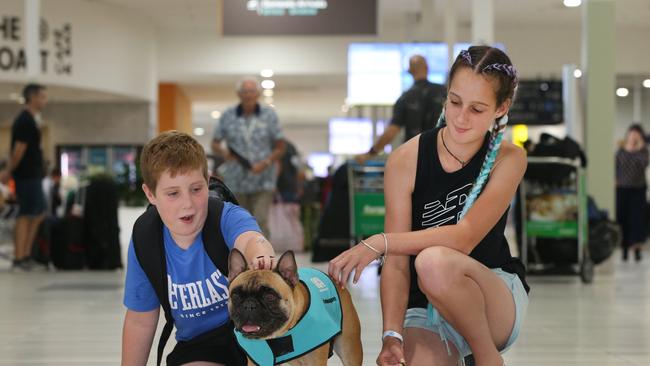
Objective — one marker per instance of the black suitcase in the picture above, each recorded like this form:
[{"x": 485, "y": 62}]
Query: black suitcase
[
  {"x": 42, "y": 246},
  {"x": 68, "y": 250},
  {"x": 334, "y": 235},
  {"x": 101, "y": 229}
]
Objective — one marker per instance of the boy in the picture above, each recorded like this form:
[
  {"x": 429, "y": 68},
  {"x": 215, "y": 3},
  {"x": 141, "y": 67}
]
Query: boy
[{"x": 184, "y": 228}]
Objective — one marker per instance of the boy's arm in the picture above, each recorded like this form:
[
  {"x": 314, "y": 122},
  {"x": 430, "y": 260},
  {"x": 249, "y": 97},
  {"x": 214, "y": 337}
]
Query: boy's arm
[
  {"x": 137, "y": 336},
  {"x": 258, "y": 251}
]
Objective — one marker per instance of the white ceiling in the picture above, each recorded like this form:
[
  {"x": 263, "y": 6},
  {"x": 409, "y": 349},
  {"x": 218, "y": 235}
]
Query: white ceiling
[{"x": 204, "y": 14}]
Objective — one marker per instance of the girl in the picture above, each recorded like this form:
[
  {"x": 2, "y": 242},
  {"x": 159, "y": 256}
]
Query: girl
[{"x": 449, "y": 286}]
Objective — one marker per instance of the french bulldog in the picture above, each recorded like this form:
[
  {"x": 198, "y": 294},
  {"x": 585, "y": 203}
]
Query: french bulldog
[{"x": 291, "y": 316}]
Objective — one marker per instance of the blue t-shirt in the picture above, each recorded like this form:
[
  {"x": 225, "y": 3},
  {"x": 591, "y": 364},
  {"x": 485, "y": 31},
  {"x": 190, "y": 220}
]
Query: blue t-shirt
[{"x": 198, "y": 291}]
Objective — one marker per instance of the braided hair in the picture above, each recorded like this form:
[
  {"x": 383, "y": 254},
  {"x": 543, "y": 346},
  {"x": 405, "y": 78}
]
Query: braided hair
[{"x": 496, "y": 65}]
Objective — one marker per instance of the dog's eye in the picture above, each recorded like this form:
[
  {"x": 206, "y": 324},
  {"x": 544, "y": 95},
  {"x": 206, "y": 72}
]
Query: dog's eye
[{"x": 269, "y": 296}]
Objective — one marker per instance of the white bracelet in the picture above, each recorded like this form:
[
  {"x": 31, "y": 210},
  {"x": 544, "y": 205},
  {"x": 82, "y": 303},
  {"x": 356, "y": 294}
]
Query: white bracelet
[{"x": 394, "y": 334}]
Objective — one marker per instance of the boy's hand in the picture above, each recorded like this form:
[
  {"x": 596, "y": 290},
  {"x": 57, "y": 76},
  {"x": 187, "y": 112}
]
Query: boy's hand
[{"x": 260, "y": 254}]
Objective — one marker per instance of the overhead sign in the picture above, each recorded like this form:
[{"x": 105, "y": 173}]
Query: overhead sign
[
  {"x": 55, "y": 46},
  {"x": 299, "y": 17},
  {"x": 284, "y": 7},
  {"x": 538, "y": 102}
]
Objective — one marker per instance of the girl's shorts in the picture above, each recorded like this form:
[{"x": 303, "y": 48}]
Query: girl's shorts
[{"x": 431, "y": 320}]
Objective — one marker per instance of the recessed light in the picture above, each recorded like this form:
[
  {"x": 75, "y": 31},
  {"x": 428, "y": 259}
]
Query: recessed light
[
  {"x": 572, "y": 3},
  {"x": 266, "y": 73},
  {"x": 577, "y": 73},
  {"x": 622, "y": 92},
  {"x": 199, "y": 131},
  {"x": 268, "y": 92},
  {"x": 268, "y": 84},
  {"x": 646, "y": 83},
  {"x": 215, "y": 114}
]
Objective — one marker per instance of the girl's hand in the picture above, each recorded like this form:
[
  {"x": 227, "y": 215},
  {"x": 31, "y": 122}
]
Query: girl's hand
[
  {"x": 392, "y": 353},
  {"x": 355, "y": 258}
]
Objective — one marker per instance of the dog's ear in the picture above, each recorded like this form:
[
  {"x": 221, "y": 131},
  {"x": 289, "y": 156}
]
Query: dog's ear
[
  {"x": 236, "y": 264},
  {"x": 287, "y": 268}
]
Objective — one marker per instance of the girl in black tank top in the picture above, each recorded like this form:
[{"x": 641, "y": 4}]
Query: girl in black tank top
[
  {"x": 448, "y": 275},
  {"x": 438, "y": 199}
]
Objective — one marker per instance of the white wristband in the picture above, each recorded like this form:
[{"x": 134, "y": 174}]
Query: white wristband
[{"x": 394, "y": 334}]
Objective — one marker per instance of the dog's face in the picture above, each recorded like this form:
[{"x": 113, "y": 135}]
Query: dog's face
[{"x": 262, "y": 301}]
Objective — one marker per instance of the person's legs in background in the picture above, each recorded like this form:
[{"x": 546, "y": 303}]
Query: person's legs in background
[
  {"x": 245, "y": 201},
  {"x": 31, "y": 200},
  {"x": 261, "y": 204}
]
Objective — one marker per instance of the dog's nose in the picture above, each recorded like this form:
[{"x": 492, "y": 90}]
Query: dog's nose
[{"x": 249, "y": 305}]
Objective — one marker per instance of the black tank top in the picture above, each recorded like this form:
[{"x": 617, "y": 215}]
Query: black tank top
[{"x": 438, "y": 199}]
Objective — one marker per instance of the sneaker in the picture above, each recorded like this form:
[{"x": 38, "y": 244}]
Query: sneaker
[
  {"x": 20, "y": 265},
  {"x": 36, "y": 266}
]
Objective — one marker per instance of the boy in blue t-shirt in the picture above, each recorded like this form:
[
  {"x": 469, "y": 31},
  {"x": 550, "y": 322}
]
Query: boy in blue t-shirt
[{"x": 175, "y": 176}]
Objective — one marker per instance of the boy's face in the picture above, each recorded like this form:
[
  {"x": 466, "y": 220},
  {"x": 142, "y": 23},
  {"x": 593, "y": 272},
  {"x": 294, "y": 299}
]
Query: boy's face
[{"x": 182, "y": 202}]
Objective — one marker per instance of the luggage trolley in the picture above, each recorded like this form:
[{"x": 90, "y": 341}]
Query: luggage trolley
[
  {"x": 553, "y": 200},
  {"x": 366, "y": 189}
]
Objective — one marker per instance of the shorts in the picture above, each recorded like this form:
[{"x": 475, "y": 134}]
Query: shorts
[
  {"x": 431, "y": 320},
  {"x": 219, "y": 346},
  {"x": 31, "y": 199}
]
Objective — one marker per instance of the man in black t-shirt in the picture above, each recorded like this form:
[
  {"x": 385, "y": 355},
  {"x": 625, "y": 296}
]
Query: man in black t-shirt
[
  {"x": 26, "y": 168},
  {"x": 416, "y": 110}
]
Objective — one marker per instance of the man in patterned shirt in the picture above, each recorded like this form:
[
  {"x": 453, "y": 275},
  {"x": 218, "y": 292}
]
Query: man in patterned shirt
[{"x": 254, "y": 141}]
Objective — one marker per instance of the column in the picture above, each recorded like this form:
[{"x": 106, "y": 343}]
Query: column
[
  {"x": 483, "y": 22},
  {"x": 451, "y": 28},
  {"x": 32, "y": 22},
  {"x": 174, "y": 109},
  {"x": 637, "y": 103},
  {"x": 598, "y": 49}
]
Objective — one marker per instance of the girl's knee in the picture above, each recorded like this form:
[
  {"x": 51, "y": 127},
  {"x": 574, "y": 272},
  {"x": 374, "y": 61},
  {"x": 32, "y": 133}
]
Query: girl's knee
[
  {"x": 436, "y": 270},
  {"x": 433, "y": 259}
]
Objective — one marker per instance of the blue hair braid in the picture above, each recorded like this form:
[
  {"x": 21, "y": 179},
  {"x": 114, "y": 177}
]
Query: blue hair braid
[
  {"x": 441, "y": 118},
  {"x": 488, "y": 163}
]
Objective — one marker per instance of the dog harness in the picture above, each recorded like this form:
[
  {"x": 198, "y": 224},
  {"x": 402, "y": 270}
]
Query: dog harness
[{"x": 319, "y": 325}]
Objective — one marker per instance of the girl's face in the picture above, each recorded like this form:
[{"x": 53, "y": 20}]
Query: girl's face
[{"x": 470, "y": 109}]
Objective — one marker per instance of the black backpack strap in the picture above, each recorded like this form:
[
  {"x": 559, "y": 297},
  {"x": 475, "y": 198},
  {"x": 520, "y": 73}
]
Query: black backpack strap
[
  {"x": 150, "y": 250},
  {"x": 213, "y": 241}
]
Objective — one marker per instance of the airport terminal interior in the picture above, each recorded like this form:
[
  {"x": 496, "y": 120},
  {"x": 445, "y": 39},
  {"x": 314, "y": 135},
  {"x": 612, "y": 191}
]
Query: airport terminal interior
[{"x": 325, "y": 77}]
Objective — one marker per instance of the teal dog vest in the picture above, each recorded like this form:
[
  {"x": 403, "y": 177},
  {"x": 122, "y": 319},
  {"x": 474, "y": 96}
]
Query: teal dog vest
[{"x": 319, "y": 325}]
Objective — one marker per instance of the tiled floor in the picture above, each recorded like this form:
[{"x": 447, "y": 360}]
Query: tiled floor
[{"x": 75, "y": 318}]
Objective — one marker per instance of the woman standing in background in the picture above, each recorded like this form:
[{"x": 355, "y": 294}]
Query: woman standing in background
[{"x": 631, "y": 163}]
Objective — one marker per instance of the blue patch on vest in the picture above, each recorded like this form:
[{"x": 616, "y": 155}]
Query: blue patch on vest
[{"x": 321, "y": 323}]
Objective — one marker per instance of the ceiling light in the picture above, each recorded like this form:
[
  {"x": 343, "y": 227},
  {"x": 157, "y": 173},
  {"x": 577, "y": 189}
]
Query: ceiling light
[
  {"x": 266, "y": 73},
  {"x": 622, "y": 92},
  {"x": 572, "y": 3},
  {"x": 199, "y": 131},
  {"x": 215, "y": 114},
  {"x": 577, "y": 73},
  {"x": 646, "y": 83},
  {"x": 268, "y": 100},
  {"x": 268, "y": 92},
  {"x": 268, "y": 84}
]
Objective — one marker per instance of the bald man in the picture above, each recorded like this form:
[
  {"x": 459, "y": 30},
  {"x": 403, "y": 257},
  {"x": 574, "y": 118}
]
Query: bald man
[
  {"x": 416, "y": 110},
  {"x": 254, "y": 143}
]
